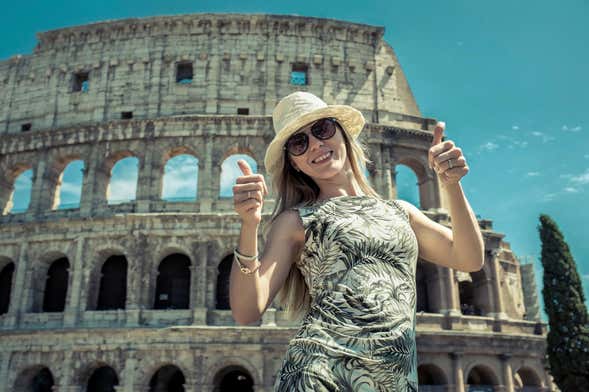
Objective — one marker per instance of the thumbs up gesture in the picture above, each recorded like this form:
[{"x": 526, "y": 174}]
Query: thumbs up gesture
[
  {"x": 248, "y": 194},
  {"x": 445, "y": 158}
]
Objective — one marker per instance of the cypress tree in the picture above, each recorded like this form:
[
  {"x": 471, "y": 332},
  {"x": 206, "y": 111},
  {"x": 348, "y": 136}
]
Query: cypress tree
[{"x": 564, "y": 301}]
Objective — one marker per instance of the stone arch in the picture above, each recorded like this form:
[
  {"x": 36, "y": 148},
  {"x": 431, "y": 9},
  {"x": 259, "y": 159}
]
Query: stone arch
[
  {"x": 168, "y": 378},
  {"x": 8, "y": 180},
  {"x": 427, "y": 287},
  {"x": 54, "y": 177},
  {"x": 112, "y": 288},
  {"x": 482, "y": 376},
  {"x": 104, "y": 179},
  {"x": 40, "y": 268},
  {"x": 172, "y": 288},
  {"x": 36, "y": 378},
  {"x": 233, "y": 378},
  {"x": 56, "y": 286},
  {"x": 229, "y": 169},
  {"x": 7, "y": 270},
  {"x": 424, "y": 183},
  {"x": 171, "y": 175},
  {"x": 406, "y": 183},
  {"x": 93, "y": 274},
  {"x": 232, "y": 362},
  {"x": 527, "y": 379},
  {"x": 222, "y": 283},
  {"x": 102, "y": 379},
  {"x": 475, "y": 292},
  {"x": 429, "y": 374}
]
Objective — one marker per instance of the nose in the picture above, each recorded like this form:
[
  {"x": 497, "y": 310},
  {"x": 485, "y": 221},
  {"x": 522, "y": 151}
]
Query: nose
[{"x": 314, "y": 143}]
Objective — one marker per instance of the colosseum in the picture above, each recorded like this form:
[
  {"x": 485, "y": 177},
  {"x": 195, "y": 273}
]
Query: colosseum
[{"x": 133, "y": 296}]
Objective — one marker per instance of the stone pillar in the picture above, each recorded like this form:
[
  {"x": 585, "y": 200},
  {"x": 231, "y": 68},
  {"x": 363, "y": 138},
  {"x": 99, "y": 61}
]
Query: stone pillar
[
  {"x": 72, "y": 305},
  {"x": 450, "y": 291},
  {"x": 128, "y": 373},
  {"x": 205, "y": 176},
  {"x": 198, "y": 284},
  {"x": 214, "y": 75},
  {"x": 507, "y": 372},
  {"x": 457, "y": 372},
  {"x": 498, "y": 309},
  {"x": 132, "y": 304},
  {"x": 17, "y": 303},
  {"x": 39, "y": 201},
  {"x": 4, "y": 367},
  {"x": 6, "y": 189},
  {"x": 89, "y": 183},
  {"x": 144, "y": 175}
]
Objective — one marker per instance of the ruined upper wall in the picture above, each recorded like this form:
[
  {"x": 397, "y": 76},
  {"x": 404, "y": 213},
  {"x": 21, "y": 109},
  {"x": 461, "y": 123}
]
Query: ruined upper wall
[{"x": 239, "y": 61}]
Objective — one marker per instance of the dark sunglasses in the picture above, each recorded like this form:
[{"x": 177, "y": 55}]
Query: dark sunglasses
[{"x": 298, "y": 143}]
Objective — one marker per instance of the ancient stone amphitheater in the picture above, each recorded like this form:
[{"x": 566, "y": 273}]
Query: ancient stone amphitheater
[{"x": 135, "y": 294}]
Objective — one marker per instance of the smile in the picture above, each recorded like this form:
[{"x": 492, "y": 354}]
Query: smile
[{"x": 323, "y": 158}]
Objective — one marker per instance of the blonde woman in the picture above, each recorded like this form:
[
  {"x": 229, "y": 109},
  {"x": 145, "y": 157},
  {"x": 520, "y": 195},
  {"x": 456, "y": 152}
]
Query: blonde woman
[{"x": 338, "y": 255}]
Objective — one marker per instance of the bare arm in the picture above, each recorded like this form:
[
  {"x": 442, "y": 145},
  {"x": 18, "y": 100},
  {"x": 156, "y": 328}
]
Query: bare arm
[{"x": 250, "y": 295}]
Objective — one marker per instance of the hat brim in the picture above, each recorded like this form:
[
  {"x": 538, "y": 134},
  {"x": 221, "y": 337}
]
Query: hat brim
[{"x": 348, "y": 117}]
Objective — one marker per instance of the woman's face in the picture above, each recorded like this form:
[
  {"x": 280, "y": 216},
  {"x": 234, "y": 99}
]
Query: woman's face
[{"x": 335, "y": 147}]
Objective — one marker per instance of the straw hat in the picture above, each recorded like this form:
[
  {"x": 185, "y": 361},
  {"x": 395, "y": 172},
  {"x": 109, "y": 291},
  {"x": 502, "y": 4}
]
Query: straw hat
[{"x": 302, "y": 108}]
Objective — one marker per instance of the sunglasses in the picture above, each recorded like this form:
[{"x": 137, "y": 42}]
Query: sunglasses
[{"x": 298, "y": 143}]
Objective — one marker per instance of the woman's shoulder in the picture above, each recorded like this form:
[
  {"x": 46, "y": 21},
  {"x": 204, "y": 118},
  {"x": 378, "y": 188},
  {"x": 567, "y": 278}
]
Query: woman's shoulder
[{"x": 290, "y": 220}]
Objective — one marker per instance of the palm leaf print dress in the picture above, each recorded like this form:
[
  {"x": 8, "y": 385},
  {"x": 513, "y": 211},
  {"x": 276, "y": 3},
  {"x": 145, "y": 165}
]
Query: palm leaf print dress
[{"x": 359, "y": 264}]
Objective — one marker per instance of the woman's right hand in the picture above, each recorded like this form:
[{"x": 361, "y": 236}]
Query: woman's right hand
[{"x": 249, "y": 207}]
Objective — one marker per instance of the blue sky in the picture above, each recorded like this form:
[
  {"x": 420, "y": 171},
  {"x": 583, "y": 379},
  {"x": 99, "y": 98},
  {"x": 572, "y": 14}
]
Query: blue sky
[{"x": 508, "y": 78}]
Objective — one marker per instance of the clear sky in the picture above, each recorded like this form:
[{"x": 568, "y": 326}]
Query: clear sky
[{"x": 509, "y": 78}]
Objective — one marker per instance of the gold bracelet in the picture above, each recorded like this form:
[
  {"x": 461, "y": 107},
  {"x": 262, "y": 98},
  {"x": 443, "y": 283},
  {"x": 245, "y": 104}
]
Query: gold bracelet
[{"x": 245, "y": 270}]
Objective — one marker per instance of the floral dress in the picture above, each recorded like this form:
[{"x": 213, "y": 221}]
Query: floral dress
[{"x": 359, "y": 264}]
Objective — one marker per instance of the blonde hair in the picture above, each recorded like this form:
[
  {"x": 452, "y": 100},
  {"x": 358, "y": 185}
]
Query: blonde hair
[{"x": 295, "y": 188}]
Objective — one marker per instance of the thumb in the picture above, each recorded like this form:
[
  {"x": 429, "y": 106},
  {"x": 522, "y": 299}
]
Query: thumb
[
  {"x": 245, "y": 168},
  {"x": 438, "y": 132}
]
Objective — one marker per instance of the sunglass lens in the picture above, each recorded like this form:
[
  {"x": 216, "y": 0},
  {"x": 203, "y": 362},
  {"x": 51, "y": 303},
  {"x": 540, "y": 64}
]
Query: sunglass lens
[
  {"x": 324, "y": 129},
  {"x": 297, "y": 144}
]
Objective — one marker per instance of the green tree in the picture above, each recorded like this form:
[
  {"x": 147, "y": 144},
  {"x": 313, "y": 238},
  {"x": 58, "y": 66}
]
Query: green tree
[{"x": 568, "y": 336}]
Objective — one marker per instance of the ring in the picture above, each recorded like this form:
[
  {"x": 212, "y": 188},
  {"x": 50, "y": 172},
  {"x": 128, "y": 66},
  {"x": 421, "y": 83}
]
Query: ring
[
  {"x": 248, "y": 194},
  {"x": 450, "y": 163}
]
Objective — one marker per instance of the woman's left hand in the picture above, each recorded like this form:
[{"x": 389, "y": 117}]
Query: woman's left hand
[{"x": 445, "y": 158}]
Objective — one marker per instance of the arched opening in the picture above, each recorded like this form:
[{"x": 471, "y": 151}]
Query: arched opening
[
  {"x": 173, "y": 283},
  {"x": 103, "y": 379},
  {"x": 167, "y": 379},
  {"x": 474, "y": 290},
  {"x": 431, "y": 378},
  {"x": 407, "y": 184},
  {"x": 526, "y": 380},
  {"x": 233, "y": 378},
  {"x": 6, "y": 287},
  {"x": 122, "y": 186},
  {"x": 35, "y": 379},
  {"x": 56, "y": 286},
  {"x": 481, "y": 379},
  {"x": 180, "y": 180},
  {"x": 69, "y": 186},
  {"x": 113, "y": 284},
  {"x": 20, "y": 198},
  {"x": 230, "y": 171},
  {"x": 223, "y": 275}
]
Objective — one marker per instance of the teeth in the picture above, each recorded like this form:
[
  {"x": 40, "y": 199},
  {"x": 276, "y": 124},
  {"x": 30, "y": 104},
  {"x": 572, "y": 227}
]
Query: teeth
[{"x": 322, "y": 157}]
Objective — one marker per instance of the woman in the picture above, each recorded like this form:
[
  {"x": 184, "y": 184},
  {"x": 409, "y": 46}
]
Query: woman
[{"x": 339, "y": 255}]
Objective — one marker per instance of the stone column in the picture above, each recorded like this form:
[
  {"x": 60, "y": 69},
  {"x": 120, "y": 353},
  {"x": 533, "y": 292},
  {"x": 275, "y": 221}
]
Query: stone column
[
  {"x": 39, "y": 201},
  {"x": 205, "y": 176},
  {"x": 89, "y": 183},
  {"x": 507, "y": 372},
  {"x": 144, "y": 175},
  {"x": 450, "y": 291},
  {"x": 4, "y": 367},
  {"x": 128, "y": 373},
  {"x": 17, "y": 303},
  {"x": 498, "y": 309},
  {"x": 457, "y": 371},
  {"x": 72, "y": 305},
  {"x": 6, "y": 189},
  {"x": 198, "y": 284},
  {"x": 132, "y": 304}
]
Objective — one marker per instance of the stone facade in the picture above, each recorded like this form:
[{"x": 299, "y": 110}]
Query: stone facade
[{"x": 66, "y": 102}]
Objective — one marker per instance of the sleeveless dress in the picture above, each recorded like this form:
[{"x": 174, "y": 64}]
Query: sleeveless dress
[{"x": 359, "y": 264}]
